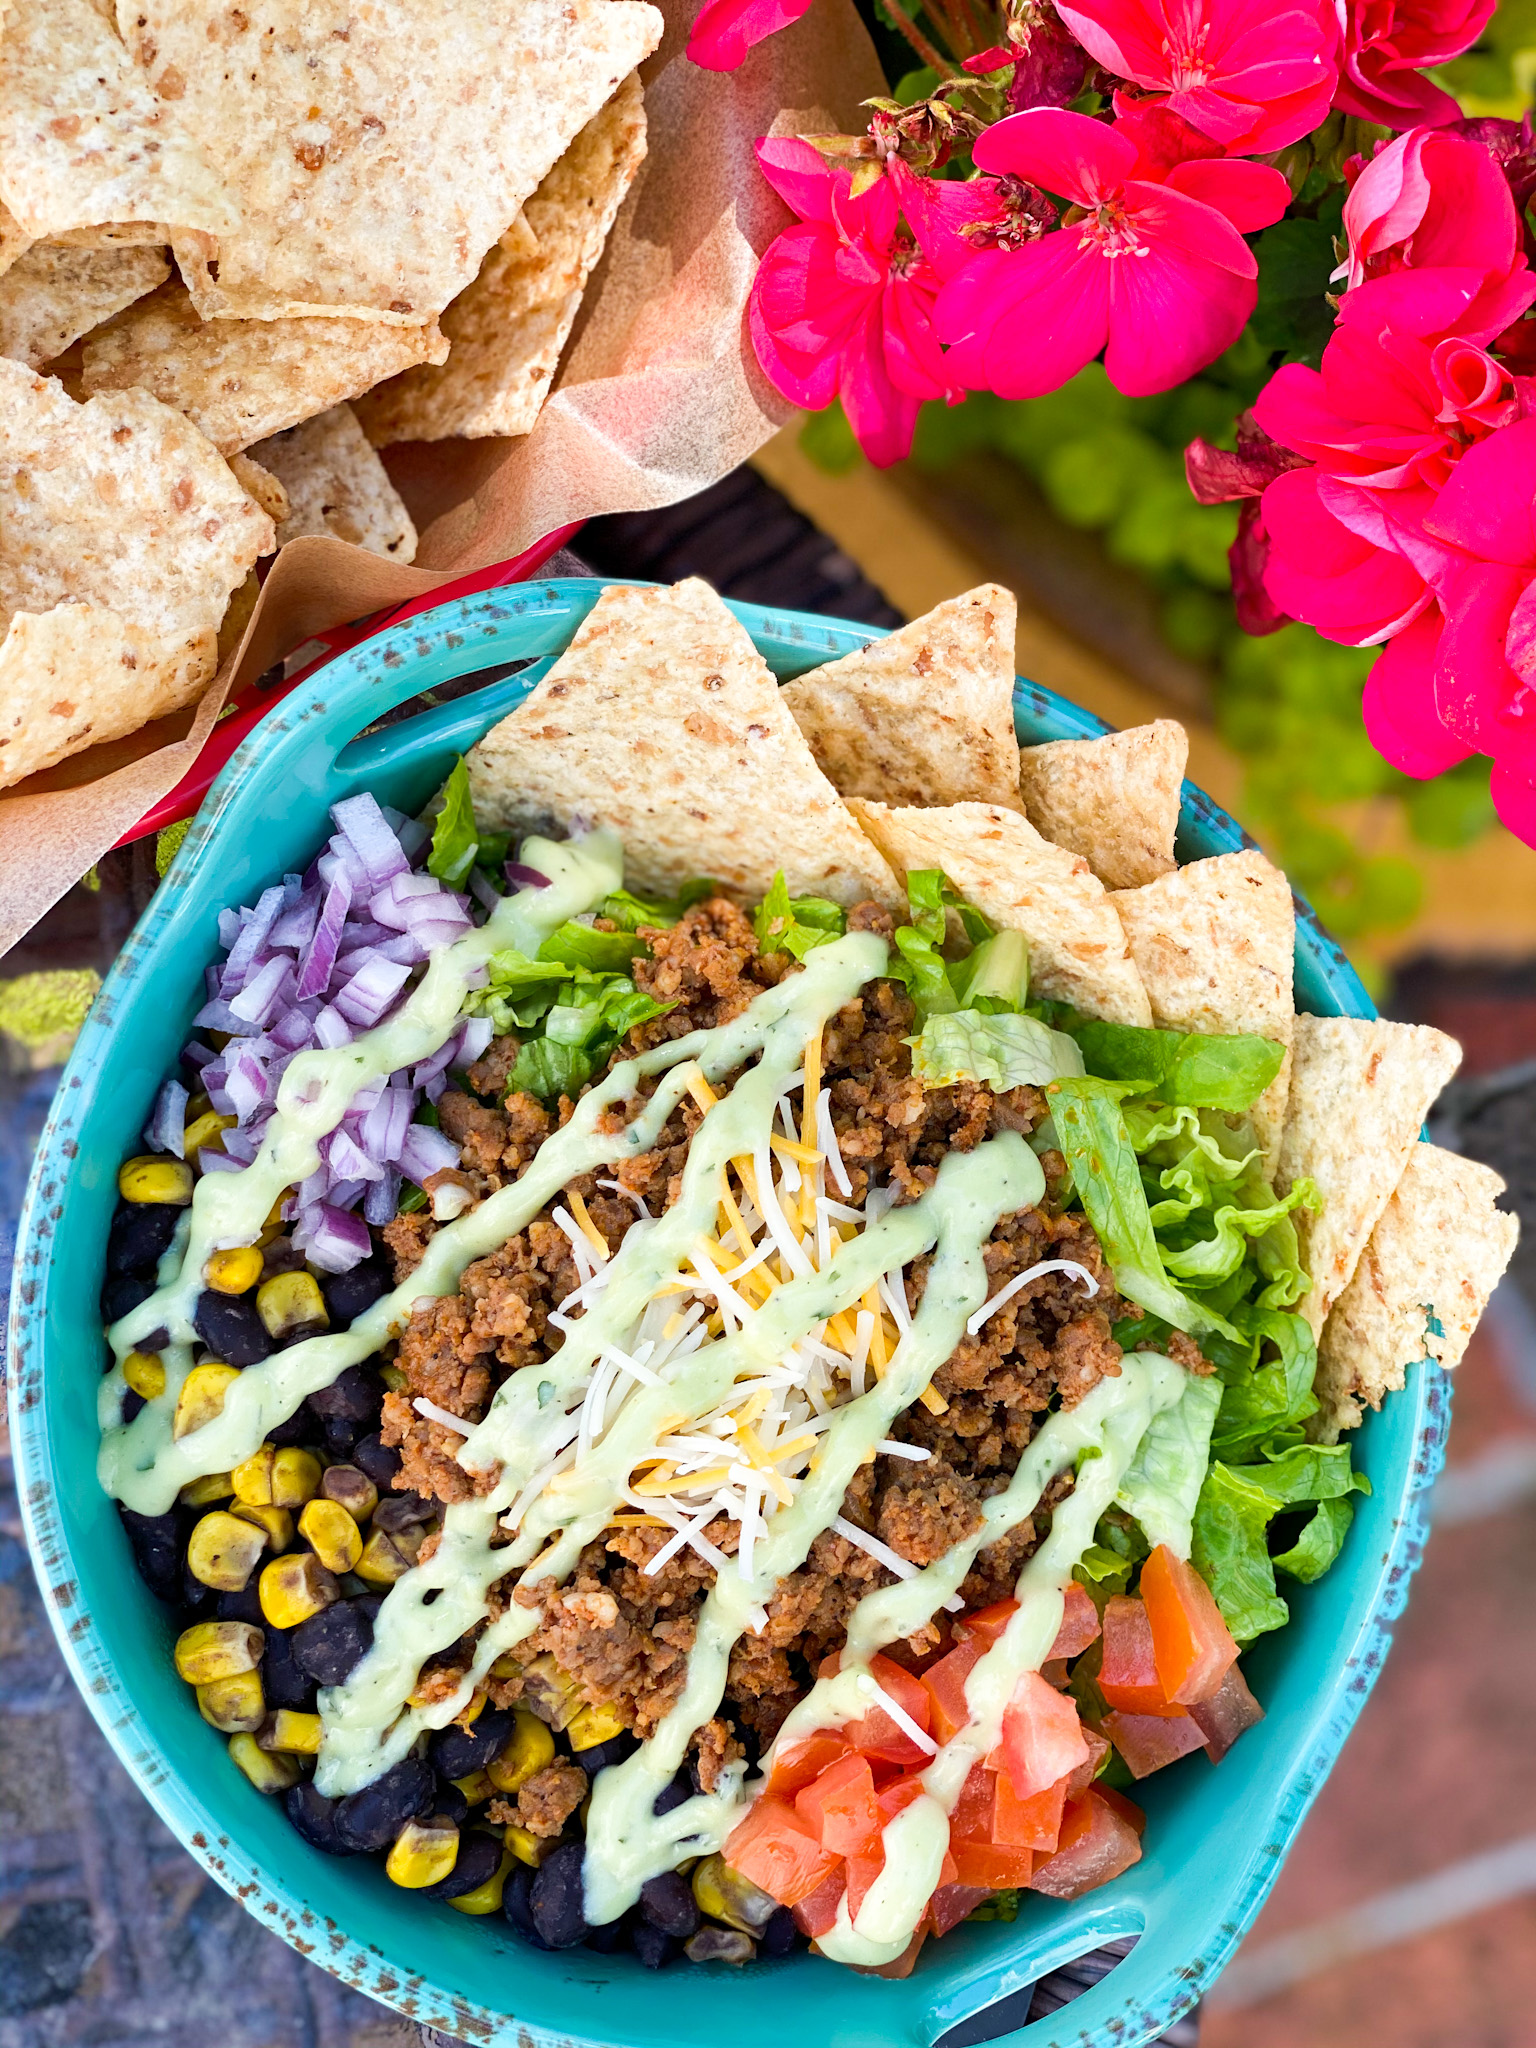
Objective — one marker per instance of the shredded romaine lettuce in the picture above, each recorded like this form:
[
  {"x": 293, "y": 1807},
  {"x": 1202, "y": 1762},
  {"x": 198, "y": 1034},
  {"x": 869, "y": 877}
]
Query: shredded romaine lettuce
[
  {"x": 1003, "y": 1051},
  {"x": 455, "y": 837},
  {"x": 1163, "y": 1481},
  {"x": 1231, "y": 1528},
  {"x": 796, "y": 925},
  {"x": 1200, "y": 1070}
]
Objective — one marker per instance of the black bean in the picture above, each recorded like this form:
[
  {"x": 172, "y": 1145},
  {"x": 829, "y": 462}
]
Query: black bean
[
  {"x": 377, "y": 1460},
  {"x": 141, "y": 1232},
  {"x": 353, "y": 1396},
  {"x": 556, "y": 1899},
  {"x": 331, "y": 1644},
  {"x": 194, "y": 1596},
  {"x": 517, "y": 1905},
  {"x": 243, "y": 1606},
  {"x": 652, "y": 1945},
  {"x": 132, "y": 1403},
  {"x": 613, "y": 1935},
  {"x": 601, "y": 1754},
  {"x": 314, "y": 1817},
  {"x": 450, "y": 1803},
  {"x": 371, "y": 1819},
  {"x": 673, "y": 1795},
  {"x": 778, "y": 1938},
  {"x": 668, "y": 1903},
  {"x": 157, "y": 1546},
  {"x": 397, "y": 1511},
  {"x": 300, "y": 1428},
  {"x": 229, "y": 1325},
  {"x": 282, "y": 1681},
  {"x": 455, "y": 1752},
  {"x": 123, "y": 1293},
  {"x": 479, "y": 1860},
  {"x": 348, "y": 1294},
  {"x": 340, "y": 1439}
]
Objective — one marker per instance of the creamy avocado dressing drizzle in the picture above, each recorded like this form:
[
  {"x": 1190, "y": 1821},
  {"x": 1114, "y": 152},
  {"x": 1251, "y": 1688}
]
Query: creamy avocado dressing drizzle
[
  {"x": 367, "y": 1723},
  {"x": 141, "y": 1462}
]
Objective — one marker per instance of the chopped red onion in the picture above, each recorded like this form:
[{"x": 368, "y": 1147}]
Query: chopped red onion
[
  {"x": 523, "y": 877},
  {"x": 383, "y": 1198},
  {"x": 369, "y": 993},
  {"x": 315, "y": 969},
  {"x": 332, "y": 1029},
  {"x": 332, "y": 1238},
  {"x": 168, "y": 1120},
  {"x": 261, "y": 994},
  {"x": 424, "y": 1152},
  {"x": 483, "y": 889},
  {"x": 364, "y": 826}
]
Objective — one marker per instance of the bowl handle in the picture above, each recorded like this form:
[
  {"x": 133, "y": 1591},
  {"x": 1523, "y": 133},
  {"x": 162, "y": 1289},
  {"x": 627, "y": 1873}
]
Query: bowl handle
[{"x": 1129, "y": 2008}]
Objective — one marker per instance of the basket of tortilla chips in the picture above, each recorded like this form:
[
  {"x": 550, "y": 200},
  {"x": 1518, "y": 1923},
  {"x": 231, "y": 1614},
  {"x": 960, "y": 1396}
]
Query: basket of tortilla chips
[{"x": 749, "y": 1327}]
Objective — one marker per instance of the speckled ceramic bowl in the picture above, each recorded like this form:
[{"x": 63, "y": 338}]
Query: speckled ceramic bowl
[{"x": 1215, "y": 1838}]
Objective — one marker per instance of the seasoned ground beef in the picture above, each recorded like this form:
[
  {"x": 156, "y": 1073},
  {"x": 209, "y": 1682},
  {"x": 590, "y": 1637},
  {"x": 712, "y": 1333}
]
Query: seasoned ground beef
[
  {"x": 546, "y": 1802},
  {"x": 624, "y": 1635}
]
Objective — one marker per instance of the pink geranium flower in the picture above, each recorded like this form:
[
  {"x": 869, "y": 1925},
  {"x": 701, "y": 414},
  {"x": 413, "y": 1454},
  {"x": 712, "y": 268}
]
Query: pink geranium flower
[
  {"x": 1156, "y": 269},
  {"x": 842, "y": 304},
  {"x": 1250, "y": 74},
  {"x": 724, "y": 30},
  {"x": 1222, "y": 476},
  {"x": 1435, "y": 201},
  {"x": 1388, "y": 46}
]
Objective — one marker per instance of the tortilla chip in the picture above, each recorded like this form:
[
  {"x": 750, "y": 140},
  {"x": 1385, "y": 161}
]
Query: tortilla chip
[
  {"x": 14, "y": 239},
  {"x": 508, "y": 329},
  {"x": 243, "y": 380},
  {"x": 116, "y": 234},
  {"x": 1215, "y": 946},
  {"x": 999, "y": 862},
  {"x": 79, "y": 674},
  {"x": 123, "y": 512},
  {"x": 924, "y": 716},
  {"x": 82, "y": 138},
  {"x": 1423, "y": 1281},
  {"x": 335, "y": 484},
  {"x": 663, "y": 721},
  {"x": 53, "y": 295},
  {"x": 1359, "y": 1093},
  {"x": 263, "y": 486},
  {"x": 377, "y": 153},
  {"x": 1115, "y": 800}
]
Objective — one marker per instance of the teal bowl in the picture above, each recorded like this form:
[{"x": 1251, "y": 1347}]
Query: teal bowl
[{"x": 1215, "y": 1837}]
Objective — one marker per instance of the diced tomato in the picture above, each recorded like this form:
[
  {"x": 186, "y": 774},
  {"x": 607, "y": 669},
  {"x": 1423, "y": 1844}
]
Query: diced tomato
[
  {"x": 994, "y": 1865},
  {"x": 1097, "y": 1843},
  {"x": 1079, "y": 1624},
  {"x": 1032, "y": 1823},
  {"x": 839, "y": 1809},
  {"x": 944, "y": 1683},
  {"x": 1128, "y": 1676},
  {"x": 1042, "y": 1737},
  {"x": 971, "y": 1819},
  {"x": 816, "y": 1914},
  {"x": 897, "y": 1797},
  {"x": 1192, "y": 1644},
  {"x": 1149, "y": 1741},
  {"x": 904, "y": 1964},
  {"x": 987, "y": 1623},
  {"x": 952, "y": 1903},
  {"x": 877, "y": 1733},
  {"x": 772, "y": 1849},
  {"x": 862, "y": 1872},
  {"x": 949, "y": 1870},
  {"x": 1085, "y": 1773},
  {"x": 804, "y": 1761},
  {"x": 1228, "y": 1713},
  {"x": 1126, "y": 1808}
]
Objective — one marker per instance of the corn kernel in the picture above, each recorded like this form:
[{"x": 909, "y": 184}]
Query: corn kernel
[
  {"x": 203, "y": 1492},
  {"x": 527, "y": 1749},
  {"x": 291, "y": 1305},
  {"x": 234, "y": 1704},
  {"x": 527, "y": 1848},
  {"x": 267, "y": 1770},
  {"x": 294, "y": 1733},
  {"x": 252, "y": 1478},
  {"x": 506, "y": 1666},
  {"x": 593, "y": 1725},
  {"x": 351, "y": 1488},
  {"x": 381, "y": 1561},
  {"x": 394, "y": 1379},
  {"x": 485, "y": 1898},
  {"x": 235, "y": 1271},
  {"x": 217, "y": 1649},
  {"x": 206, "y": 1132},
  {"x": 144, "y": 1372},
  {"x": 331, "y": 1534},
  {"x": 471, "y": 1714},
  {"x": 153, "y": 1178},
  {"x": 222, "y": 1552},
  {"x": 295, "y": 1477},
  {"x": 294, "y": 1588},
  {"x": 554, "y": 1697},
  {"x": 477, "y": 1787},
  {"x": 424, "y": 1853},
  {"x": 277, "y": 1523},
  {"x": 724, "y": 1894},
  {"x": 202, "y": 1395}
]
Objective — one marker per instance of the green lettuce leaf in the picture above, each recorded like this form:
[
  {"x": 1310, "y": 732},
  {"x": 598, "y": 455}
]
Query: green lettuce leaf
[
  {"x": 796, "y": 924},
  {"x": 1264, "y": 1404},
  {"x": 629, "y": 911},
  {"x": 1236, "y": 1506},
  {"x": 1004, "y": 1051},
  {"x": 455, "y": 837},
  {"x": 1319, "y": 1543},
  {"x": 994, "y": 978},
  {"x": 1200, "y": 1070},
  {"x": 1162, "y": 1482},
  {"x": 578, "y": 945},
  {"x": 1103, "y": 1571}
]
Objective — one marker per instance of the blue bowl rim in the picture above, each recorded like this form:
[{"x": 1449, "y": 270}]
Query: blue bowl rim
[{"x": 1126, "y": 2008}]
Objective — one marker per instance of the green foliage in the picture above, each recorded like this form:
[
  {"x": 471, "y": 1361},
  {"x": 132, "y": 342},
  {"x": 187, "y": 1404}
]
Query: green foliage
[
  {"x": 1497, "y": 75},
  {"x": 1296, "y": 264}
]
